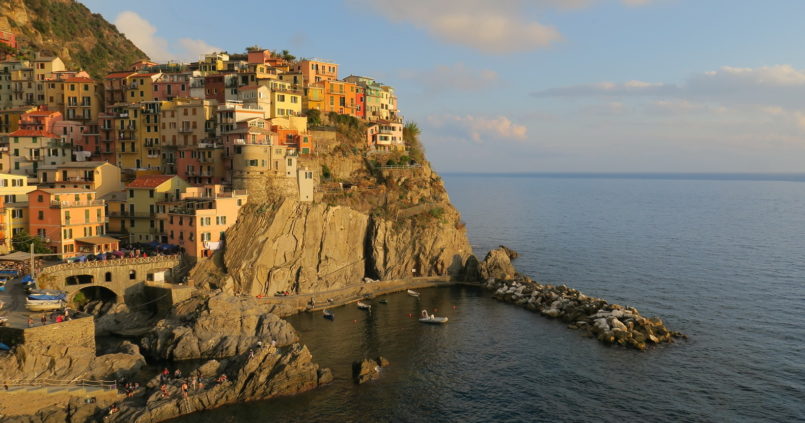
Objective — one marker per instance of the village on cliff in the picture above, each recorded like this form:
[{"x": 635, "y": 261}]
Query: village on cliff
[{"x": 163, "y": 156}]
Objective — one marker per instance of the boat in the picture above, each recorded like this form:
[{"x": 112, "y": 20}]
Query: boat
[
  {"x": 364, "y": 306},
  {"x": 3, "y": 321},
  {"x": 47, "y": 294},
  {"x": 43, "y": 305},
  {"x": 413, "y": 293},
  {"x": 384, "y": 301},
  {"x": 329, "y": 315},
  {"x": 3, "y": 282},
  {"x": 429, "y": 318}
]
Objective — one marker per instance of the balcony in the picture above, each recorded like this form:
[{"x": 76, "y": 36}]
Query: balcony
[
  {"x": 185, "y": 129},
  {"x": 71, "y": 204}
]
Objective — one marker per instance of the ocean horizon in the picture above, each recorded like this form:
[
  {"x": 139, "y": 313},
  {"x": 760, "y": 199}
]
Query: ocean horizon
[{"x": 703, "y": 176}]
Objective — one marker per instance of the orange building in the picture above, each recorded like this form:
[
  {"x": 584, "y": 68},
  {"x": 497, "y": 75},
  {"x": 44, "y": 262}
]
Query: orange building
[
  {"x": 343, "y": 98},
  {"x": 70, "y": 220},
  {"x": 317, "y": 70}
]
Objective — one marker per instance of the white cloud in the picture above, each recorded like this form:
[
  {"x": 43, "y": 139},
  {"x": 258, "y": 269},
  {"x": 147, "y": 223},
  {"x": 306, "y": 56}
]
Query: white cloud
[
  {"x": 456, "y": 77},
  {"x": 144, "y": 36},
  {"x": 477, "y": 129},
  {"x": 781, "y": 85},
  {"x": 500, "y": 26}
]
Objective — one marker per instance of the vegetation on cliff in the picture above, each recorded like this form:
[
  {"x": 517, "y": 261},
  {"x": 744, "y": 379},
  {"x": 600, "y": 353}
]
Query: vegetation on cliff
[{"x": 68, "y": 29}]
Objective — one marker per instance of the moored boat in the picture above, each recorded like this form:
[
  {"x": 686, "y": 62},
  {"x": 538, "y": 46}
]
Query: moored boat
[
  {"x": 429, "y": 318},
  {"x": 43, "y": 305},
  {"x": 413, "y": 293},
  {"x": 364, "y": 306},
  {"x": 384, "y": 301},
  {"x": 328, "y": 315}
]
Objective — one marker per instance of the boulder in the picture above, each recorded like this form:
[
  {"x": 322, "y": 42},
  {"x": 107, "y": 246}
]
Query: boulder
[
  {"x": 498, "y": 265},
  {"x": 365, "y": 370}
]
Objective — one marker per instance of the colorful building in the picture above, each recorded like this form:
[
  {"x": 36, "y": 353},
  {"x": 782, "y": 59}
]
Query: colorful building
[
  {"x": 140, "y": 213},
  {"x": 385, "y": 135},
  {"x": 70, "y": 221},
  {"x": 14, "y": 191},
  {"x": 100, "y": 177},
  {"x": 30, "y": 149},
  {"x": 197, "y": 223},
  {"x": 316, "y": 70}
]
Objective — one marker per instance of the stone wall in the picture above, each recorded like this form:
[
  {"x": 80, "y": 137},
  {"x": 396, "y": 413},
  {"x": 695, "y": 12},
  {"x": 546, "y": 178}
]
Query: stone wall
[
  {"x": 76, "y": 332},
  {"x": 164, "y": 296}
]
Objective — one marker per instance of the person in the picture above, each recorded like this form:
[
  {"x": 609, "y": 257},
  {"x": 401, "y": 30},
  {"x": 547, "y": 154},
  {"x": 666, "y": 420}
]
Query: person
[
  {"x": 177, "y": 374},
  {"x": 184, "y": 390},
  {"x": 113, "y": 409},
  {"x": 30, "y": 321},
  {"x": 194, "y": 382},
  {"x": 59, "y": 319},
  {"x": 44, "y": 319},
  {"x": 164, "y": 390},
  {"x": 251, "y": 353}
]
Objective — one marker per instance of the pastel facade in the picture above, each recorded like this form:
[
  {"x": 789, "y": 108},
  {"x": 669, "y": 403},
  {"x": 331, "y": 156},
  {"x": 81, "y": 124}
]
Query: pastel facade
[
  {"x": 316, "y": 70},
  {"x": 14, "y": 191},
  {"x": 385, "y": 135},
  {"x": 140, "y": 214},
  {"x": 197, "y": 222},
  {"x": 100, "y": 177},
  {"x": 71, "y": 221}
]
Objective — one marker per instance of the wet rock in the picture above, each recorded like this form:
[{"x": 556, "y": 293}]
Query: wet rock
[
  {"x": 365, "y": 370},
  {"x": 382, "y": 361},
  {"x": 497, "y": 265},
  {"x": 509, "y": 252}
]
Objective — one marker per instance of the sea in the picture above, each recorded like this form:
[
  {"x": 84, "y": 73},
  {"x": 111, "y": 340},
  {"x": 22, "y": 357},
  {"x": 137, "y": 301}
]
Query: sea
[{"x": 720, "y": 258}]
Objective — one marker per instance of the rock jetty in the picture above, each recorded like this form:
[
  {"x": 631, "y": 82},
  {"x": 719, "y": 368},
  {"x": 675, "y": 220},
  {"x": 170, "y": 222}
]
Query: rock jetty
[{"x": 612, "y": 324}]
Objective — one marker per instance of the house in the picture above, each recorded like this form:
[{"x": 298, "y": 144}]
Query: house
[
  {"x": 197, "y": 222},
  {"x": 71, "y": 221},
  {"x": 14, "y": 191},
  {"x": 100, "y": 177},
  {"x": 115, "y": 86},
  {"x": 139, "y": 212},
  {"x": 81, "y": 99},
  {"x": 30, "y": 149},
  {"x": 385, "y": 135},
  {"x": 316, "y": 70},
  {"x": 8, "y": 38}
]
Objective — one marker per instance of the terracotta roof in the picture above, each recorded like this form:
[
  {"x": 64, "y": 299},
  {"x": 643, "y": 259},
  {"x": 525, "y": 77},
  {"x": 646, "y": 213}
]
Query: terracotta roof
[
  {"x": 31, "y": 133},
  {"x": 65, "y": 190},
  {"x": 41, "y": 113},
  {"x": 119, "y": 75},
  {"x": 97, "y": 240},
  {"x": 149, "y": 181},
  {"x": 249, "y": 87}
]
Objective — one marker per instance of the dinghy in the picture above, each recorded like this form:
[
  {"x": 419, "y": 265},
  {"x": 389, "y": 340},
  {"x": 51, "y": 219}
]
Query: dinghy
[
  {"x": 364, "y": 306},
  {"x": 329, "y": 315},
  {"x": 429, "y": 318},
  {"x": 413, "y": 293}
]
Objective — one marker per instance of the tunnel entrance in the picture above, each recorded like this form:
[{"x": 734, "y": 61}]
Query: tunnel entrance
[{"x": 94, "y": 299}]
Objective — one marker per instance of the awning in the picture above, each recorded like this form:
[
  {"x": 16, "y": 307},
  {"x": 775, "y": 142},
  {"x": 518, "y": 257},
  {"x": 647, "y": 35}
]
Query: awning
[
  {"x": 97, "y": 240},
  {"x": 16, "y": 256}
]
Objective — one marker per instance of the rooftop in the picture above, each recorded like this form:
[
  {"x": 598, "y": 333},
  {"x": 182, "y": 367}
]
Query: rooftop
[
  {"x": 149, "y": 181},
  {"x": 32, "y": 133}
]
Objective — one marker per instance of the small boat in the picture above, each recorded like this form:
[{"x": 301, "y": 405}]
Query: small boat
[
  {"x": 43, "y": 305},
  {"x": 364, "y": 306},
  {"x": 329, "y": 315},
  {"x": 384, "y": 301},
  {"x": 429, "y": 318},
  {"x": 413, "y": 293},
  {"x": 3, "y": 282},
  {"x": 3, "y": 321}
]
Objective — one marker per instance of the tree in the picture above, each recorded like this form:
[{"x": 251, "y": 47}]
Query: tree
[
  {"x": 22, "y": 242},
  {"x": 314, "y": 117},
  {"x": 411, "y": 134},
  {"x": 287, "y": 55}
]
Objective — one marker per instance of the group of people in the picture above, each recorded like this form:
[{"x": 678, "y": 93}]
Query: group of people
[
  {"x": 22, "y": 267},
  {"x": 55, "y": 316},
  {"x": 194, "y": 383}
]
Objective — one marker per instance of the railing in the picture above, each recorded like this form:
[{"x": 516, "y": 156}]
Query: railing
[
  {"x": 107, "y": 384},
  {"x": 65, "y": 204},
  {"x": 112, "y": 262}
]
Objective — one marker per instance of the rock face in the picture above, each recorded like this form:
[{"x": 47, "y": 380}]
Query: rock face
[
  {"x": 217, "y": 326},
  {"x": 303, "y": 248},
  {"x": 60, "y": 362},
  {"x": 497, "y": 265}
]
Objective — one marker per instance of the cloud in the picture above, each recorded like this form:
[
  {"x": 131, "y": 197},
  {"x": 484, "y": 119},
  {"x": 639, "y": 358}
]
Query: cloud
[
  {"x": 495, "y": 27},
  {"x": 456, "y": 77},
  {"x": 477, "y": 129},
  {"x": 780, "y": 85},
  {"x": 144, "y": 36}
]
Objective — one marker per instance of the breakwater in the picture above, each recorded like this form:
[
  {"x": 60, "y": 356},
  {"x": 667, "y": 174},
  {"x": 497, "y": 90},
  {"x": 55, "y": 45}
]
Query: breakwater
[{"x": 595, "y": 317}]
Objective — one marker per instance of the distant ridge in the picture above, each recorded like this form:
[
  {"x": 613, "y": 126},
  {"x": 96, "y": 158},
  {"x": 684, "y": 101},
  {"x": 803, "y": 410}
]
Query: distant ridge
[{"x": 66, "y": 28}]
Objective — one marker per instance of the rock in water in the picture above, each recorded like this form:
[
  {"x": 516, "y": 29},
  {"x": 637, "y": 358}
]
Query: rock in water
[
  {"x": 509, "y": 252},
  {"x": 497, "y": 265},
  {"x": 365, "y": 370}
]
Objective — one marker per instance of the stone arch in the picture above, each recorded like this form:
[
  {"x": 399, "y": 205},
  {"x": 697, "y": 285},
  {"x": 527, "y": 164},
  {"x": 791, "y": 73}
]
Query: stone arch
[
  {"x": 96, "y": 292},
  {"x": 79, "y": 280}
]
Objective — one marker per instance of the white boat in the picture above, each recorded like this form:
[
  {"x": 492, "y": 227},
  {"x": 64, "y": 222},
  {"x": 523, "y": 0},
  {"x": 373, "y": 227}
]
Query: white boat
[
  {"x": 413, "y": 293},
  {"x": 364, "y": 306},
  {"x": 43, "y": 305},
  {"x": 429, "y": 318}
]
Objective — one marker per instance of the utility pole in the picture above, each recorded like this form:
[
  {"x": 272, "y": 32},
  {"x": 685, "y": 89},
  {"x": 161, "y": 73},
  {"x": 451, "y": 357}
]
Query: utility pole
[{"x": 33, "y": 263}]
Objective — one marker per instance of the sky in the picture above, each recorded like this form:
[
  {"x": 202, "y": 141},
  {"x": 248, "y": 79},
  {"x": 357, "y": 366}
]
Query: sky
[{"x": 538, "y": 85}]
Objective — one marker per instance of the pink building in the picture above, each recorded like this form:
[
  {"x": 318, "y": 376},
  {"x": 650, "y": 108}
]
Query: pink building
[
  {"x": 201, "y": 165},
  {"x": 40, "y": 120},
  {"x": 172, "y": 85}
]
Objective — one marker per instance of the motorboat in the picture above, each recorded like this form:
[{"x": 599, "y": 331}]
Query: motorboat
[
  {"x": 329, "y": 315},
  {"x": 413, "y": 293},
  {"x": 3, "y": 282},
  {"x": 43, "y": 305},
  {"x": 429, "y": 318},
  {"x": 3, "y": 321},
  {"x": 364, "y": 306},
  {"x": 384, "y": 301},
  {"x": 47, "y": 294}
]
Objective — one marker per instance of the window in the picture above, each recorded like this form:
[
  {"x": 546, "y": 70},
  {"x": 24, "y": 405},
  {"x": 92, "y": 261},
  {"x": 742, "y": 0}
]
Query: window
[
  {"x": 151, "y": 193},
  {"x": 40, "y": 215},
  {"x": 107, "y": 277},
  {"x": 132, "y": 275}
]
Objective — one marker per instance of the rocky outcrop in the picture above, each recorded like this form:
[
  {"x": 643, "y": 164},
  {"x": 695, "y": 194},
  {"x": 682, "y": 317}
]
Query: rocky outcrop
[
  {"x": 497, "y": 265},
  {"x": 367, "y": 369},
  {"x": 609, "y": 323},
  {"x": 305, "y": 248},
  {"x": 216, "y": 326},
  {"x": 66, "y": 363}
]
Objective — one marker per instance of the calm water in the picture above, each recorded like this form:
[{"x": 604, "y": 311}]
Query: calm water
[{"x": 720, "y": 260}]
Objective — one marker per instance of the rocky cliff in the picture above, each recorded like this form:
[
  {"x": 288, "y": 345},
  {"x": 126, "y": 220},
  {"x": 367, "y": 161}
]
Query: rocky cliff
[
  {"x": 82, "y": 39},
  {"x": 367, "y": 222}
]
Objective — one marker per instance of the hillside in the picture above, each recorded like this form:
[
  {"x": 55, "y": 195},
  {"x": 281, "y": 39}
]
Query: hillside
[{"x": 82, "y": 39}]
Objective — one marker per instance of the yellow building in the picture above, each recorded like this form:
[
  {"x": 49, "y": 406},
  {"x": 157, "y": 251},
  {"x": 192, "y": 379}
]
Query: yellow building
[
  {"x": 285, "y": 103},
  {"x": 137, "y": 131},
  {"x": 14, "y": 191},
  {"x": 144, "y": 192},
  {"x": 214, "y": 62},
  {"x": 141, "y": 87},
  {"x": 101, "y": 177},
  {"x": 82, "y": 101},
  {"x": 183, "y": 123},
  {"x": 10, "y": 118}
]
